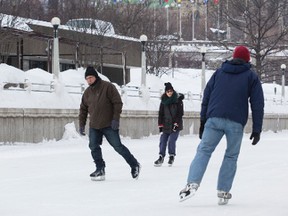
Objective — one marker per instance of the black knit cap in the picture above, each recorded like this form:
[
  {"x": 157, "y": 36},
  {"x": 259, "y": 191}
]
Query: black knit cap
[
  {"x": 90, "y": 71},
  {"x": 168, "y": 86}
]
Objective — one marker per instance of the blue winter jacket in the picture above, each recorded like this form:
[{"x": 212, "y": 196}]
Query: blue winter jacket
[{"x": 228, "y": 92}]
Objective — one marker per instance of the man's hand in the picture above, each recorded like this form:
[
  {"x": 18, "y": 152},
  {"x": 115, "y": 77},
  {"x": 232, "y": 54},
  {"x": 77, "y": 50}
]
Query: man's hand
[
  {"x": 256, "y": 137},
  {"x": 82, "y": 131},
  {"x": 160, "y": 128},
  {"x": 115, "y": 124}
]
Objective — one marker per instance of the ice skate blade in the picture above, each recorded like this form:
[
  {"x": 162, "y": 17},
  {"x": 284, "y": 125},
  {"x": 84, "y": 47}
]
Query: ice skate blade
[
  {"x": 223, "y": 201},
  {"x": 99, "y": 178},
  {"x": 183, "y": 197},
  {"x": 157, "y": 165}
]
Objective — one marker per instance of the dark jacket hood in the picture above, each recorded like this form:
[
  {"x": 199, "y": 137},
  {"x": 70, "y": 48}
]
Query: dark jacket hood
[
  {"x": 235, "y": 66},
  {"x": 181, "y": 96}
]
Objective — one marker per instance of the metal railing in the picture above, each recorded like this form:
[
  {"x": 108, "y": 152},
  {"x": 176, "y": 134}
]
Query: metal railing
[
  {"x": 135, "y": 91},
  {"x": 42, "y": 87},
  {"x": 129, "y": 91}
]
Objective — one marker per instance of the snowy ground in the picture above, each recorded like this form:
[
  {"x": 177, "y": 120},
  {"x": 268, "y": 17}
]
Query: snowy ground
[
  {"x": 52, "y": 179},
  {"x": 187, "y": 81}
]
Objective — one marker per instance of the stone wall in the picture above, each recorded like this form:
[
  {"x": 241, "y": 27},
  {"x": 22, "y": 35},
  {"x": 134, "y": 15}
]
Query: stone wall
[{"x": 36, "y": 125}]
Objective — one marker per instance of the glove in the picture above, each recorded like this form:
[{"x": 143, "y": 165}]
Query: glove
[
  {"x": 115, "y": 124},
  {"x": 160, "y": 128},
  {"x": 256, "y": 137},
  {"x": 201, "y": 129},
  {"x": 175, "y": 127},
  {"x": 82, "y": 131}
]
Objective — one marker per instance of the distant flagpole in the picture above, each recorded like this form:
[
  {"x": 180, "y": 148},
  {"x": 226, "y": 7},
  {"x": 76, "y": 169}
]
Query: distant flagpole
[
  {"x": 193, "y": 21},
  {"x": 227, "y": 23},
  {"x": 180, "y": 18},
  {"x": 218, "y": 18},
  {"x": 154, "y": 17},
  {"x": 206, "y": 19},
  {"x": 167, "y": 20}
]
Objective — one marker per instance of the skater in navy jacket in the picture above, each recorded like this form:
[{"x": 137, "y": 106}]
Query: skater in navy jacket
[{"x": 224, "y": 111}]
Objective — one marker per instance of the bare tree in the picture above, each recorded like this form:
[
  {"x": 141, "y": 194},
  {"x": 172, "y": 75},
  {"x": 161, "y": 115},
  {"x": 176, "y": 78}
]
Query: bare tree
[
  {"x": 130, "y": 19},
  {"x": 30, "y": 9},
  {"x": 7, "y": 22},
  {"x": 260, "y": 25}
]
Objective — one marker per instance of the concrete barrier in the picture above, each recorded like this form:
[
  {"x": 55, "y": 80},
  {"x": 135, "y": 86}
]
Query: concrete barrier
[
  {"x": 33, "y": 125},
  {"x": 36, "y": 125}
]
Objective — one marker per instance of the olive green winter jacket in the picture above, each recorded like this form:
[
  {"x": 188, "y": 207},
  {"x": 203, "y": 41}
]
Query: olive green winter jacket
[{"x": 102, "y": 102}]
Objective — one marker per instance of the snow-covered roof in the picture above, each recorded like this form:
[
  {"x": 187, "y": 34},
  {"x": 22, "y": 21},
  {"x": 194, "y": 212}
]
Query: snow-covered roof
[
  {"x": 22, "y": 24},
  {"x": 19, "y": 23},
  {"x": 92, "y": 25}
]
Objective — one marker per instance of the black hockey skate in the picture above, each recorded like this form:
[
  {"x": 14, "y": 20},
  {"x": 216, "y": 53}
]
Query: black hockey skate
[
  {"x": 171, "y": 160},
  {"x": 135, "y": 171},
  {"x": 98, "y": 175},
  {"x": 159, "y": 161}
]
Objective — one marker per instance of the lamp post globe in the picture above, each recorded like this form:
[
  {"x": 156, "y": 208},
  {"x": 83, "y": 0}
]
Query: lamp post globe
[
  {"x": 55, "y": 21},
  {"x": 143, "y": 39}
]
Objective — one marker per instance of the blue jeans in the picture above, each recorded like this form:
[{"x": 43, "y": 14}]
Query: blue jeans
[
  {"x": 169, "y": 139},
  {"x": 112, "y": 136},
  {"x": 214, "y": 130}
]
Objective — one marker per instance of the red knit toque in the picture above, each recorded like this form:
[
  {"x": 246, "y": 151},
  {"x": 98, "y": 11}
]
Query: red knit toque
[{"x": 241, "y": 52}]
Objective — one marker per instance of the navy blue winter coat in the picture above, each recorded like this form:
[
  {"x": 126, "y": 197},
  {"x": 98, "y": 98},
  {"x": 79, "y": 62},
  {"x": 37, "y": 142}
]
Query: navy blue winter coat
[{"x": 229, "y": 91}]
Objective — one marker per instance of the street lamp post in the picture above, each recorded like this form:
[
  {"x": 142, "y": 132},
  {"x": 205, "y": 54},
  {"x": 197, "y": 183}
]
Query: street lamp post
[
  {"x": 203, "y": 81},
  {"x": 283, "y": 68},
  {"x": 228, "y": 34},
  {"x": 55, "y": 54},
  {"x": 143, "y": 39}
]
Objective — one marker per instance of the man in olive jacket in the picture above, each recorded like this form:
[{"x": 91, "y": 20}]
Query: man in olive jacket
[{"x": 101, "y": 100}]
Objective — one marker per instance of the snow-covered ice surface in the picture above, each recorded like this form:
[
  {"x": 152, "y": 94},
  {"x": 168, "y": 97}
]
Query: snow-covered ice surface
[{"x": 52, "y": 179}]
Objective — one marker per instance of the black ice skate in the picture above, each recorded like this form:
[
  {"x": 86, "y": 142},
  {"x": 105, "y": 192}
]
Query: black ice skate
[
  {"x": 98, "y": 175},
  {"x": 223, "y": 197},
  {"x": 135, "y": 171},
  {"x": 171, "y": 160},
  {"x": 188, "y": 191},
  {"x": 159, "y": 162}
]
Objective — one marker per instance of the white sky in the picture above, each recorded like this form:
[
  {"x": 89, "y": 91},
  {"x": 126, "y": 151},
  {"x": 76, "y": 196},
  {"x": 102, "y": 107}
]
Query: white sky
[{"x": 52, "y": 178}]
